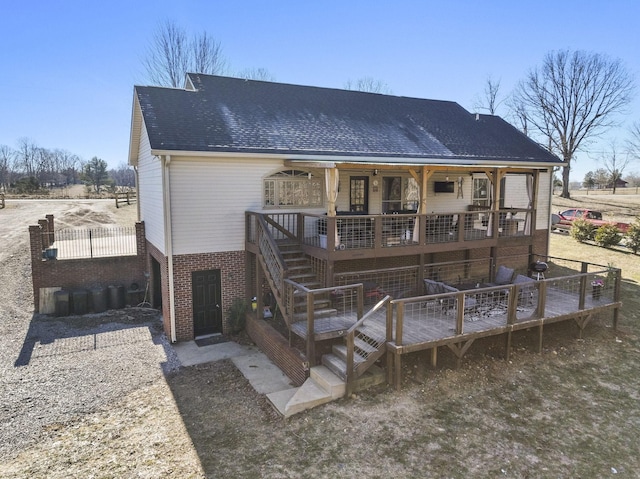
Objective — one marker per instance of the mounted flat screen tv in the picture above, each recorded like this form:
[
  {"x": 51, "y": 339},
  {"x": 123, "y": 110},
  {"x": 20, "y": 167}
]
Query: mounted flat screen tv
[{"x": 443, "y": 186}]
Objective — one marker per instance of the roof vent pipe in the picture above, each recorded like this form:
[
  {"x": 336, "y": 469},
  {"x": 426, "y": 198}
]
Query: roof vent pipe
[{"x": 477, "y": 116}]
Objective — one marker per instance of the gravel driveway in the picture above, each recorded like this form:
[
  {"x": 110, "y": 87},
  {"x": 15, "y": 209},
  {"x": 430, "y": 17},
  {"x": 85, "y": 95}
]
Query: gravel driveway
[{"x": 52, "y": 371}]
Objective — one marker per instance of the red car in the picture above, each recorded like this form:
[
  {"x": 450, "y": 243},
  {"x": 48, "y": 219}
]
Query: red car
[{"x": 564, "y": 219}]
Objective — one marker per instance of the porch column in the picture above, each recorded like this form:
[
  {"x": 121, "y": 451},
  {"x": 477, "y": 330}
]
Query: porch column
[{"x": 331, "y": 181}]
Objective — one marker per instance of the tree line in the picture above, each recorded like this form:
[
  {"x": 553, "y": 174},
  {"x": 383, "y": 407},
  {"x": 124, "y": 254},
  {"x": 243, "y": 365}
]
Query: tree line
[{"x": 28, "y": 168}]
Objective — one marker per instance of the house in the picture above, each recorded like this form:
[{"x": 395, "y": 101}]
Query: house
[
  {"x": 620, "y": 183},
  {"x": 294, "y": 194}
]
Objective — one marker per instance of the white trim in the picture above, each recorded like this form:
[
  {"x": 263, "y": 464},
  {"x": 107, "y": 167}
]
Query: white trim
[{"x": 378, "y": 160}]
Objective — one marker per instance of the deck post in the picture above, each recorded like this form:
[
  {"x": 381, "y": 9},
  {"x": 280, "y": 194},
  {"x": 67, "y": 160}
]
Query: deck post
[
  {"x": 583, "y": 285},
  {"x": 508, "y": 343},
  {"x": 459, "y": 312},
  {"x": 398, "y": 371},
  {"x": 390, "y": 362},
  {"x": 616, "y": 298},
  {"x": 434, "y": 357},
  {"x": 540, "y": 331},
  {"x": 399, "y": 322},
  {"x": 311, "y": 337}
]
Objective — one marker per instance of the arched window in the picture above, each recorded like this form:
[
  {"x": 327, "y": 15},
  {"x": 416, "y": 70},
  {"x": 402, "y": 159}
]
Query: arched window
[{"x": 293, "y": 189}]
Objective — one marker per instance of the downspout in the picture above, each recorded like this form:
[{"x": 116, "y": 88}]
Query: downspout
[{"x": 168, "y": 240}]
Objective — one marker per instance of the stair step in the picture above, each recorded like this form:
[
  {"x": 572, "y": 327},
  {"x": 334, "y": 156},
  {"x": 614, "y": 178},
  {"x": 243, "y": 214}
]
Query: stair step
[
  {"x": 317, "y": 313},
  {"x": 293, "y": 250},
  {"x": 328, "y": 381},
  {"x": 303, "y": 279},
  {"x": 318, "y": 304},
  {"x": 301, "y": 267},
  {"x": 336, "y": 365},
  {"x": 340, "y": 350}
]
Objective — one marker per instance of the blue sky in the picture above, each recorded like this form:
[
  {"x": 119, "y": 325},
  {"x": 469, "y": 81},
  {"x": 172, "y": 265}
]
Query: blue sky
[{"x": 67, "y": 68}]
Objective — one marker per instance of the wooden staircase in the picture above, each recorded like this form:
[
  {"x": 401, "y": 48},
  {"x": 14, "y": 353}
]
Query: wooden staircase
[
  {"x": 332, "y": 379},
  {"x": 367, "y": 349},
  {"x": 300, "y": 270}
]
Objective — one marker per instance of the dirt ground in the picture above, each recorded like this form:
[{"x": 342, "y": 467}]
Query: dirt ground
[{"x": 572, "y": 411}]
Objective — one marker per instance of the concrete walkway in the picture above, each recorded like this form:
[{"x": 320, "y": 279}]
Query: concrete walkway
[{"x": 262, "y": 374}]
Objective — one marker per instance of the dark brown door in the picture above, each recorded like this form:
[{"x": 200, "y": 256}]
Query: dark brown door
[
  {"x": 207, "y": 302},
  {"x": 359, "y": 194}
]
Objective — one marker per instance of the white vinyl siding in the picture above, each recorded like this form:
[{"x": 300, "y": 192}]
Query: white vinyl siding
[
  {"x": 209, "y": 198},
  {"x": 150, "y": 193}
]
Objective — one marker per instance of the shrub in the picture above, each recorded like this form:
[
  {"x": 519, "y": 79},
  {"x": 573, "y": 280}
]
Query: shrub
[
  {"x": 237, "y": 315},
  {"x": 607, "y": 236},
  {"x": 633, "y": 236},
  {"x": 582, "y": 231}
]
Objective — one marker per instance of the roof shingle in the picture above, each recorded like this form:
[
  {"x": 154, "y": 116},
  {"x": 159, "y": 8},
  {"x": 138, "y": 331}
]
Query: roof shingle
[{"x": 227, "y": 114}]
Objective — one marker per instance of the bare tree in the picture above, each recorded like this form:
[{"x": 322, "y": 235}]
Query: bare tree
[
  {"x": 26, "y": 161},
  {"x": 207, "y": 55},
  {"x": 123, "y": 176},
  {"x": 261, "y": 74},
  {"x": 633, "y": 143},
  {"x": 368, "y": 84},
  {"x": 518, "y": 114},
  {"x": 574, "y": 97},
  {"x": 6, "y": 166},
  {"x": 171, "y": 54},
  {"x": 489, "y": 100},
  {"x": 633, "y": 178},
  {"x": 614, "y": 163}
]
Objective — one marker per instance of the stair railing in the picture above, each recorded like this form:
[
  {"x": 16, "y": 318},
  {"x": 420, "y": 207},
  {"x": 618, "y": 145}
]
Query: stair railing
[
  {"x": 377, "y": 346},
  {"x": 271, "y": 259}
]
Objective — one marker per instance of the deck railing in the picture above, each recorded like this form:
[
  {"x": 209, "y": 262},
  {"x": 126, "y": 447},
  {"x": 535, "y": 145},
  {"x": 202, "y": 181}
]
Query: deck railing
[
  {"x": 345, "y": 306},
  {"x": 74, "y": 243},
  {"x": 351, "y": 231},
  {"x": 470, "y": 311},
  {"x": 388, "y": 231}
]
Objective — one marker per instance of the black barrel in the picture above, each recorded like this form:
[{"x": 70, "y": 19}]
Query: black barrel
[
  {"x": 116, "y": 296},
  {"x": 61, "y": 299},
  {"x": 80, "y": 299},
  {"x": 99, "y": 299}
]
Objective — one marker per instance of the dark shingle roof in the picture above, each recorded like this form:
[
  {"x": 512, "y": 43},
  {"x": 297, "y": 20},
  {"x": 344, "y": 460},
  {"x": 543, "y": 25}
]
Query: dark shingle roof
[{"x": 234, "y": 115}]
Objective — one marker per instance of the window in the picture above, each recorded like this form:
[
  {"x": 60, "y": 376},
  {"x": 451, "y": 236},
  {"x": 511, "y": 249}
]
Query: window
[
  {"x": 399, "y": 194},
  {"x": 293, "y": 188}
]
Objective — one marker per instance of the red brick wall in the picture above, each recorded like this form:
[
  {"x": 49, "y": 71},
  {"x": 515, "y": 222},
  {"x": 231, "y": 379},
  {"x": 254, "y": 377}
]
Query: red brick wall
[
  {"x": 232, "y": 271},
  {"x": 164, "y": 284},
  {"x": 271, "y": 342},
  {"x": 82, "y": 273}
]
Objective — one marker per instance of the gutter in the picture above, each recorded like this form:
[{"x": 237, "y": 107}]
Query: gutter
[
  {"x": 168, "y": 240},
  {"x": 383, "y": 159}
]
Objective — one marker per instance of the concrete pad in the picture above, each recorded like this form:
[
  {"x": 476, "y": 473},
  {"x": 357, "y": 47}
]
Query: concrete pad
[
  {"x": 189, "y": 353},
  {"x": 264, "y": 376}
]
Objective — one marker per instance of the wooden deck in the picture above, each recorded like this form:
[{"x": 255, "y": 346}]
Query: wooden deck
[{"x": 429, "y": 322}]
